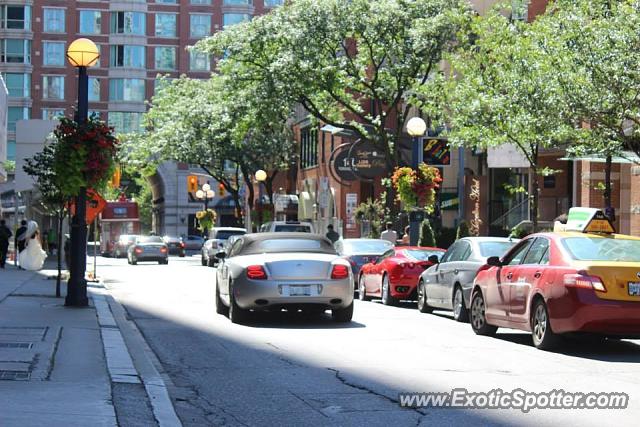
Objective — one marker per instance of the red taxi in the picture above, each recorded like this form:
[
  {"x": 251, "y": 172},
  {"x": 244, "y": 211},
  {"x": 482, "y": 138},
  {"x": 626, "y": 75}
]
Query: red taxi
[
  {"x": 394, "y": 275},
  {"x": 561, "y": 282}
]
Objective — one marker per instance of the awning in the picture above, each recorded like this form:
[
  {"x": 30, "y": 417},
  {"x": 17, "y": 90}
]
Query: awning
[{"x": 625, "y": 157}]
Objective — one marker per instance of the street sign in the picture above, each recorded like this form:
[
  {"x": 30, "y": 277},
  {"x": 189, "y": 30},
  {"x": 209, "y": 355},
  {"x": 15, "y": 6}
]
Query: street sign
[{"x": 95, "y": 204}]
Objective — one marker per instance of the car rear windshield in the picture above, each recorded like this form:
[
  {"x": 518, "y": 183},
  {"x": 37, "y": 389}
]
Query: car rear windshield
[
  {"x": 366, "y": 247},
  {"x": 292, "y": 228},
  {"x": 127, "y": 238},
  {"x": 602, "y": 249},
  {"x": 225, "y": 234},
  {"x": 290, "y": 245},
  {"x": 422, "y": 255},
  {"x": 489, "y": 249},
  {"x": 150, "y": 239}
]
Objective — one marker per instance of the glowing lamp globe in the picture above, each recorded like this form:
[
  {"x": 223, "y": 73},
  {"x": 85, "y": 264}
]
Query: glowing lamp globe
[
  {"x": 83, "y": 53},
  {"x": 261, "y": 175},
  {"x": 416, "y": 126},
  {"x": 200, "y": 194},
  {"x": 206, "y": 187}
]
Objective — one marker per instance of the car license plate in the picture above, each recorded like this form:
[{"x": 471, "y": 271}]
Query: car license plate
[
  {"x": 634, "y": 289},
  {"x": 299, "y": 290}
]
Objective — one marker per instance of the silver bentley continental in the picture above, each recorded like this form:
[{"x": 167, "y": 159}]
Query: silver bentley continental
[{"x": 283, "y": 271}]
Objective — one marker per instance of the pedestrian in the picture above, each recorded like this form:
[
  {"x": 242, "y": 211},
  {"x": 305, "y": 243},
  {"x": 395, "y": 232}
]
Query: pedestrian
[
  {"x": 45, "y": 240},
  {"x": 5, "y": 235},
  {"x": 406, "y": 239},
  {"x": 389, "y": 234},
  {"x": 332, "y": 234},
  {"x": 32, "y": 257},
  {"x": 20, "y": 240}
]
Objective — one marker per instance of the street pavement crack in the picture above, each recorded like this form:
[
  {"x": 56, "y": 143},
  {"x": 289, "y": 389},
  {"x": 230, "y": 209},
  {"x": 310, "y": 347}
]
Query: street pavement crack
[
  {"x": 308, "y": 404},
  {"x": 53, "y": 354},
  {"x": 348, "y": 383},
  {"x": 207, "y": 410}
]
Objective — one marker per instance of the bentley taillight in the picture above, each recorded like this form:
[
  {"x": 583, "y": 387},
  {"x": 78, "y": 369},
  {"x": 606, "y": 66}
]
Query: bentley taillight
[
  {"x": 256, "y": 272},
  {"x": 339, "y": 271}
]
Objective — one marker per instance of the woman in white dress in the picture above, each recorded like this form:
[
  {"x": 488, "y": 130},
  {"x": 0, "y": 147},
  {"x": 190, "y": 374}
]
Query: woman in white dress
[{"x": 32, "y": 257}]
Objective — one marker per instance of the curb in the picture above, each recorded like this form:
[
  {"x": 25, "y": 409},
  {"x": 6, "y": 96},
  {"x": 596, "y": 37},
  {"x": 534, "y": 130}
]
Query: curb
[{"x": 127, "y": 359}]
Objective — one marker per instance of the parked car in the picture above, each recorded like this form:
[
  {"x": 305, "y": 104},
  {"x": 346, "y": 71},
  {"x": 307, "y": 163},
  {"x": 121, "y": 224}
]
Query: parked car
[
  {"x": 122, "y": 245},
  {"x": 175, "y": 245},
  {"x": 193, "y": 243},
  {"x": 361, "y": 251},
  {"x": 551, "y": 284},
  {"x": 148, "y": 248},
  {"x": 275, "y": 271},
  {"x": 394, "y": 275},
  {"x": 447, "y": 285},
  {"x": 217, "y": 238},
  {"x": 287, "y": 226}
]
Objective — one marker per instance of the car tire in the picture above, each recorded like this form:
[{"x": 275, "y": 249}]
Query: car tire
[
  {"x": 237, "y": 315},
  {"x": 460, "y": 312},
  {"x": 203, "y": 261},
  {"x": 423, "y": 307},
  {"x": 362, "y": 290},
  {"x": 211, "y": 263},
  {"x": 385, "y": 293},
  {"x": 117, "y": 254},
  {"x": 181, "y": 255},
  {"x": 220, "y": 307},
  {"x": 129, "y": 260},
  {"x": 543, "y": 337},
  {"x": 478, "y": 319},
  {"x": 342, "y": 315}
]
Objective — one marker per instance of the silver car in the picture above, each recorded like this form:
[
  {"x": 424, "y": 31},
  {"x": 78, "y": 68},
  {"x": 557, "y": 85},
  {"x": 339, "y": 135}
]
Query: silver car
[
  {"x": 275, "y": 271},
  {"x": 217, "y": 238},
  {"x": 447, "y": 284}
]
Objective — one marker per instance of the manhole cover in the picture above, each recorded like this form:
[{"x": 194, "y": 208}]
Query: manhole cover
[
  {"x": 14, "y": 376},
  {"x": 26, "y": 345}
]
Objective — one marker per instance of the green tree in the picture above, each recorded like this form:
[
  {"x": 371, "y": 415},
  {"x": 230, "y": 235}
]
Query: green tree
[
  {"x": 427, "y": 236},
  {"x": 463, "y": 230},
  {"x": 50, "y": 186},
  {"x": 354, "y": 65},
  {"x": 372, "y": 212},
  {"x": 504, "y": 91}
]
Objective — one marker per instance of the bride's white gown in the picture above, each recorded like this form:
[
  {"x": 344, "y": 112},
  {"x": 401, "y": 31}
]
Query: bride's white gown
[{"x": 32, "y": 257}]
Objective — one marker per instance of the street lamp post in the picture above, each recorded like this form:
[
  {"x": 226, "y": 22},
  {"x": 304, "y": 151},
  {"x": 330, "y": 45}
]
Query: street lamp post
[
  {"x": 205, "y": 194},
  {"x": 416, "y": 127},
  {"x": 82, "y": 53},
  {"x": 261, "y": 176}
]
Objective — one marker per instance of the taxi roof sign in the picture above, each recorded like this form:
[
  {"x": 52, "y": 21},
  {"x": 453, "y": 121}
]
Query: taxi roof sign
[{"x": 588, "y": 220}]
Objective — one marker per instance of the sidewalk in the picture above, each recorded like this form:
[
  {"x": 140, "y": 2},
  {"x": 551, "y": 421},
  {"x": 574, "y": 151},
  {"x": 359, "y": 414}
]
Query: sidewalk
[{"x": 62, "y": 366}]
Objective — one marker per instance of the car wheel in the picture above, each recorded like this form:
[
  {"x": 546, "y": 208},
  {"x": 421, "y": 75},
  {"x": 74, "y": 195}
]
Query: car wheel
[
  {"x": 236, "y": 314},
  {"x": 478, "y": 320},
  {"x": 203, "y": 261},
  {"x": 117, "y": 254},
  {"x": 362, "y": 290},
  {"x": 211, "y": 263},
  {"x": 342, "y": 315},
  {"x": 134, "y": 261},
  {"x": 387, "y": 299},
  {"x": 423, "y": 307},
  {"x": 181, "y": 255},
  {"x": 220, "y": 307},
  {"x": 460, "y": 312},
  {"x": 543, "y": 337},
  {"x": 129, "y": 260}
]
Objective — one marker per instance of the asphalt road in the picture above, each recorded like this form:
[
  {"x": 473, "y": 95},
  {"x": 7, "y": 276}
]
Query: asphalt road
[{"x": 290, "y": 370}]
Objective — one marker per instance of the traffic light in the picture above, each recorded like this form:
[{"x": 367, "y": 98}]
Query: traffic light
[
  {"x": 221, "y": 190},
  {"x": 115, "y": 179},
  {"x": 192, "y": 183}
]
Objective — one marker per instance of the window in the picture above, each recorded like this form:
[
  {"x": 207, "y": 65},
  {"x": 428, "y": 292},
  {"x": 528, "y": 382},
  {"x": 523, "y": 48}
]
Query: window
[
  {"x": 520, "y": 10},
  {"x": 273, "y": 3},
  {"x": 159, "y": 84},
  {"x": 308, "y": 147},
  {"x": 90, "y": 22},
  {"x": 165, "y": 24},
  {"x": 53, "y": 20},
  {"x": 165, "y": 58},
  {"x": 126, "y": 90},
  {"x": 53, "y": 54},
  {"x": 199, "y": 61},
  {"x": 602, "y": 249},
  {"x": 199, "y": 25},
  {"x": 234, "y": 18},
  {"x": 518, "y": 253},
  {"x": 128, "y": 56},
  {"x": 15, "y": 17},
  {"x": 94, "y": 89},
  {"x": 53, "y": 87},
  {"x": 538, "y": 248},
  {"x": 166, "y": 1},
  {"x": 128, "y": 23},
  {"x": 238, "y": 2},
  {"x": 489, "y": 249},
  {"x": 14, "y": 114},
  {"x": 125, "y": 122},
  {"x": 18, "y": 84},
  {"x": 16, "y": 51},
  {"x": 52, "y": 113},
  {"x": 11, "y": 150},
  {"x": 200, "y": 1}
]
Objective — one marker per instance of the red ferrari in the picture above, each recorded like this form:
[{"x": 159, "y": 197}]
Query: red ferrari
[{"x": 394, "y": 275}]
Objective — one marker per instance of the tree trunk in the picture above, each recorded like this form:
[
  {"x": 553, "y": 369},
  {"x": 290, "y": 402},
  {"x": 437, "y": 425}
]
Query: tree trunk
[
  {"x": 535, "y": 197},
  {"x": 59, "y": 222},
  {"x": 607, "y": 184}
]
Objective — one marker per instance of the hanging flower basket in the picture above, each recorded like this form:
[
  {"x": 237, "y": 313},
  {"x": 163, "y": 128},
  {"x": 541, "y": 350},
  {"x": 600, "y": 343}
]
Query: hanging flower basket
[
  {"x": 85, "y": 156},
  {"x": 416, "y": 189},
  {"x": 206, "y": 219}
]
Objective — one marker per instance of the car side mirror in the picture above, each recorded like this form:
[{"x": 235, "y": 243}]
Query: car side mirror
[
  {"x": 433, "y": 259},
  {"x": 221, "y": 255},
  {"x": 494, "y": 261}
]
